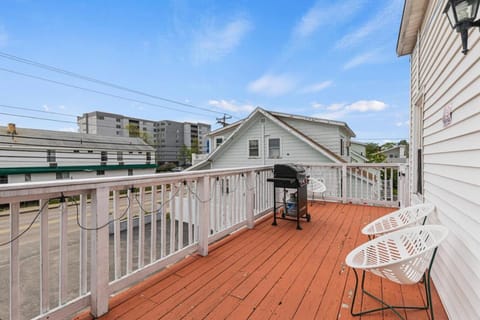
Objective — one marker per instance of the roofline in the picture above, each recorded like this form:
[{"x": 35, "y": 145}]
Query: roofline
[
  {"x": 226, "y": 127},
  {"x": 406, "y": 43},
  {"x": 319, "y": 120},
  {"x": 78, "y": 168},
  {"x": 312, "y": 143},
  {"x": 390, "y": 149},
  {"x": 329, "y": 154}
]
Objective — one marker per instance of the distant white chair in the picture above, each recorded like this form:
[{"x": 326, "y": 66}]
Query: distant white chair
[
  {"x": 404, "y": 256},
  {"x": 409, "y": 216},
  {"x": 317, "y": 186}
]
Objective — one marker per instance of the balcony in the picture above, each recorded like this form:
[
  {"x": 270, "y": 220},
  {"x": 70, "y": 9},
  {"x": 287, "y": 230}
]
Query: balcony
[{"x": 189, "y": 244}]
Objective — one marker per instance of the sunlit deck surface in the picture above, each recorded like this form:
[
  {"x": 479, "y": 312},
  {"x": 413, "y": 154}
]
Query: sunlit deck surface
[{"x": 272, "y": 273}]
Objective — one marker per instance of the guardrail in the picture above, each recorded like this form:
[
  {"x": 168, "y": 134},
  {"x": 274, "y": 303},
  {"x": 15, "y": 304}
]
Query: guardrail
[
  {"x": 383, "y": 184},
  {"x": 69, "y": 245}
]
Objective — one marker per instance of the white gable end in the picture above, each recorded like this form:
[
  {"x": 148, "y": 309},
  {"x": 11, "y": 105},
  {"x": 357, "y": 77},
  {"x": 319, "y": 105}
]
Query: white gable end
[{"x": 292, "y": 149}]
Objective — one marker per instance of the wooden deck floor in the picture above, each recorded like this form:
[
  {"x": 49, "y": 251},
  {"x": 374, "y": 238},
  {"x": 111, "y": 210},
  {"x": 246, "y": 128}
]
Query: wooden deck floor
[{"x": 271, "y": 273}]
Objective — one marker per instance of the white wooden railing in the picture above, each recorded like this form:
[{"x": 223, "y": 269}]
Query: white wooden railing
[
  {"x": 92, "y": 238},
  {"x": 89, "y": 239},
  {"x": 382, "y": 184}
]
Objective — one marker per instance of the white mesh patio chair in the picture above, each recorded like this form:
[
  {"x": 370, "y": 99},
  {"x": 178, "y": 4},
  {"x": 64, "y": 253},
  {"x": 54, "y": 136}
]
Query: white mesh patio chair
[
  {"x": 409, "y": 216},
  {"x": 404, "y": 256},
  {"x": 317, "y": 186}
]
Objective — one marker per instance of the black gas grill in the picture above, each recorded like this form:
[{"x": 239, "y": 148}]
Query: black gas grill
[{"x": 293, "y": 181}]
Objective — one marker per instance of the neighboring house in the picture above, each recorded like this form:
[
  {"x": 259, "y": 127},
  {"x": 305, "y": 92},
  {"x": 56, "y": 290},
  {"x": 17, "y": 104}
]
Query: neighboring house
[
  {"x": 395, "y": 154},
  {"x": 166, "y": 136},
  {"x": 40, "y": 155},
  {"x": 445, "y": 145},
  {"x": 358, "y": 152},
  {"x": 266, "y": 137}
]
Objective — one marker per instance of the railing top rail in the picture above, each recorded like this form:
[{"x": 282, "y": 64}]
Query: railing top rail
[
  {"x": 30, "y": 189},
  {"x": 350, "y": 165}
]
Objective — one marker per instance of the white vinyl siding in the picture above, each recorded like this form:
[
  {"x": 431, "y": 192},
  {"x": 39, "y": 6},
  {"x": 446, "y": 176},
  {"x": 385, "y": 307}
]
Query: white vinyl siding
[
  {"x": 324, "y": 134},
  {"x": 293, "y": 149},
  {"x": 442, "y": 76}
]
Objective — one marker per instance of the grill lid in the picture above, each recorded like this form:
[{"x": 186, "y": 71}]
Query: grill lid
[{"x": 289, "y": 170}]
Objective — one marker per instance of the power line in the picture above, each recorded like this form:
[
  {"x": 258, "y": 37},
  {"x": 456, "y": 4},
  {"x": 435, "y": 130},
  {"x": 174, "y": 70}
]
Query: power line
[
  {"x": 105, "y": 83},
  {"x": 27, "y": 75}
]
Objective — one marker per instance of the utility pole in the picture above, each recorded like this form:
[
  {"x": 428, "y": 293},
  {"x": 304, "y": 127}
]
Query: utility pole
[{"x": 223, "y": 120}]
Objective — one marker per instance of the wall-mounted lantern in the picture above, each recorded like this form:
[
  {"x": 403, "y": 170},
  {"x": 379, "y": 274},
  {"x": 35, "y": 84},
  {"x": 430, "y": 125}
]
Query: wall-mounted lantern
[{"x": 462, "y": 15}]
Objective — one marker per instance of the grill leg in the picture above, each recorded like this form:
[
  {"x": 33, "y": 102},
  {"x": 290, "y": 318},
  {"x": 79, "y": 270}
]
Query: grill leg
[{"x": 274, "y": 223}]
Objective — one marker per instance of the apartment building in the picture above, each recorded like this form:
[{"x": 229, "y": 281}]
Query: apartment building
[{"x": 166, "y": 136}]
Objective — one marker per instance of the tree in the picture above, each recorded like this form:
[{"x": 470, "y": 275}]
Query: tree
[
  {"x": 372, "y": 150},
  {"x": 185, "y": 155},
  {"x": 134, "y": 131}
]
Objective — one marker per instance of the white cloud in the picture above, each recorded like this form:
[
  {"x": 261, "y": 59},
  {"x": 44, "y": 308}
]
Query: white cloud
[
  {"x": 340, "y": 110},
  {"x": 213, "y": 43},
  {"x": 272, "y": 85},
  {"x": 231, "y": 105},
  {"x": 46, "y": 108},
  {"x": 3, "y": 36},
  {"x": 402, "y": 123},
  {"x": 385, "y": 16},
  {"x": 318, "y": 15},
  {"x": 316, "y": 87},
  {"x": 335, "y": 107},
  {"x": 363, "y": 58},
  {"x": 316, "y": 105},
  {"x": 367, "y": 105}
]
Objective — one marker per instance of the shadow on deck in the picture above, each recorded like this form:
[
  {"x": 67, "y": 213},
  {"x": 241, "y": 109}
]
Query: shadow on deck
[{"x": 271, "y": 272}]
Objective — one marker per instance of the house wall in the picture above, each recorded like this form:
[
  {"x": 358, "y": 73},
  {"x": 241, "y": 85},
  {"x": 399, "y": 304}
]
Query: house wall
[
  {"x": 324, "y": 134},
  {"x": 224, "y": 133},
  {"x": 292, "y": 149},
  {"x": 442, "y": 76}
]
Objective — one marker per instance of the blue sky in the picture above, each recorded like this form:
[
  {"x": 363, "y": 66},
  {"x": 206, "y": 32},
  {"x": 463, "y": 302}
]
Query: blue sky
[{"x": 329, "y": 59}]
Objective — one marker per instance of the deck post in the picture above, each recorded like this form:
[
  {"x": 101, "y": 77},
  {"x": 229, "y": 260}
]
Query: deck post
[
  {"x": 401, "y": 185},
  {"x": 249, "y": 200},
  {"x": 100, "y": 242},
  {"x": 344, "y": 183},
  {"x": 204, "y": 215}
]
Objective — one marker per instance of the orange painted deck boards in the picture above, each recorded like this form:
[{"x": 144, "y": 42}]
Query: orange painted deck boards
[{"x": 272, "y": 272}]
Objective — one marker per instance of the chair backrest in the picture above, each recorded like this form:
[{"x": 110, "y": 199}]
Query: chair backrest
[
  {"x": 409, "y": 216},
  {"x": 402, "y": 256},
  {"x": 316, "y": 185}
]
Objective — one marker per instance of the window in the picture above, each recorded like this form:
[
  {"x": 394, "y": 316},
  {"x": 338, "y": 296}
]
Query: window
[
  {"x": 3, "y": 179},
  {"x": 341, "y": 146},
  {"x": 253, "y": 150},
  {"x": 101, "y": 118},
  {"x": 274, "y": 148},
  {"x": 28, "y": 177},
  {"x": 149, "y": 156},
  {"x": 104, "y": 156},
  {"x": 51, "y": 157},
  {"x": 119, "y": 156},
  {"x": 218, "y": 141},
  {"x": 130, "y": 172},
  {"x": 63, "y": 175},
  {"x": 100, "y": 172},
  {"x": 118, "y": 126},
  {"x": 118, "y": 120},
  {"x": 76, "y": 151},
  {"x": 90, "y": 151}
]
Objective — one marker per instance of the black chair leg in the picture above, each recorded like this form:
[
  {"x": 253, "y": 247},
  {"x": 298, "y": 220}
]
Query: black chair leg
[{"x": 386, "y": 306}]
